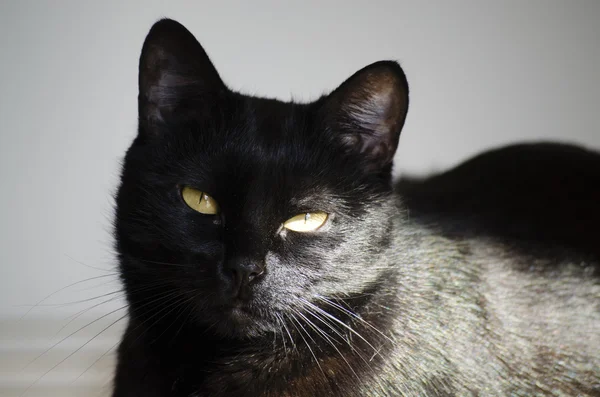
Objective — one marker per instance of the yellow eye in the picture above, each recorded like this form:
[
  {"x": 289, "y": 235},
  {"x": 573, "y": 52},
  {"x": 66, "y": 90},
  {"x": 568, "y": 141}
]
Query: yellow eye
[
  {"x": 199, "y": 201},
  {"x": 307, "y": 222}
]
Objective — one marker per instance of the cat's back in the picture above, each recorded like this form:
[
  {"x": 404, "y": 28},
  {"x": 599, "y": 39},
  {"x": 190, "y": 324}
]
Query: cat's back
[
  {"x": 526, "y": 217},
  {"x": 547, "y": 194}
]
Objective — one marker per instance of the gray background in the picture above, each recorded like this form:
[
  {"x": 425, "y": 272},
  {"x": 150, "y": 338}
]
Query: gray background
[{"x": 482, "y": 74}]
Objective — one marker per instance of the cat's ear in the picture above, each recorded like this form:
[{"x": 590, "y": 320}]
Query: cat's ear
[
  {"x": 176, "y": 77},
  {"x": 366, "y": 113}
]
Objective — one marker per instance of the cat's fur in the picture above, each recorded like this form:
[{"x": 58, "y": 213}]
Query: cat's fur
[{"x": 481, "y": 281}]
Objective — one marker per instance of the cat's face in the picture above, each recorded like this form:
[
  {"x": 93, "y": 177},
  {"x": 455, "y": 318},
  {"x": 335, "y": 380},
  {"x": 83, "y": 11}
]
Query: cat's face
[{"x": 239, "y": 212}]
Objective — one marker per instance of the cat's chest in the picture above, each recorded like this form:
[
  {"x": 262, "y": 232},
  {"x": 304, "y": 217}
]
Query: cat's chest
[{"x": 266, "y": 374}]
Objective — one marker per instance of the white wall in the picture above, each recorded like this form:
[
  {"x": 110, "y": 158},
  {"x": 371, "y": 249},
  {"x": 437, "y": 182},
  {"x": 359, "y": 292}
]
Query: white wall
[{"x": 482, "y": 73}]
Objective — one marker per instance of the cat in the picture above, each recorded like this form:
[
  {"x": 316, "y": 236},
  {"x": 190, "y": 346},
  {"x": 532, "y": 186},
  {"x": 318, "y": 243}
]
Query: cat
[{"x": 265, "y": 250}]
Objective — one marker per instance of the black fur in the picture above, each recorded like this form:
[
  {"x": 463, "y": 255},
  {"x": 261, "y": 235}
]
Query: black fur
[{"x": 414, "y": 290}]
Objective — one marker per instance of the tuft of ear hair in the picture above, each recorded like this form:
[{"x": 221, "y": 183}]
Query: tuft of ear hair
[
  {"x": 176, "y": 76},
  {"x": 367, "y": 113}
]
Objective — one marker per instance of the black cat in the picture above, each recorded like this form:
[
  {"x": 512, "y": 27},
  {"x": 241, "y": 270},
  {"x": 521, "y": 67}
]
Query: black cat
[{"x": 265, "y": 251}]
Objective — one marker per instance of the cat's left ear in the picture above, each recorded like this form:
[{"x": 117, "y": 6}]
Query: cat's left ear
[{"x": 367, "y": 112}]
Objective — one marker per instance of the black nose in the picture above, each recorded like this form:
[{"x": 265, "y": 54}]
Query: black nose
[{"x": 243, "y": 272}]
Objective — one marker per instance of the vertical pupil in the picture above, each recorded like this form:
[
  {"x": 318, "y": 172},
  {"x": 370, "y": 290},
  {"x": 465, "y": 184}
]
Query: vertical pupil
[
  {"x": 306, "y": 217},
  {"x": 200, "y": 198}
]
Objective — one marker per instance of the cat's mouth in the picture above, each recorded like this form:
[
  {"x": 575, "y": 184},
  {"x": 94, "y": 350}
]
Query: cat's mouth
[
  {"x": 242, "y": 320},
  {"x": 237, "y": 312},
  {"x": 240, "y": 313}
]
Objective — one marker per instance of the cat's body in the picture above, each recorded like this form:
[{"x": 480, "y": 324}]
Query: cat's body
[{"x": 438, "y": 287}]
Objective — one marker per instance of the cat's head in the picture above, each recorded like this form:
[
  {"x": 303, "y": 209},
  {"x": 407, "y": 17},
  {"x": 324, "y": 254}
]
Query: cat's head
[{"x": 235, "y": 211}]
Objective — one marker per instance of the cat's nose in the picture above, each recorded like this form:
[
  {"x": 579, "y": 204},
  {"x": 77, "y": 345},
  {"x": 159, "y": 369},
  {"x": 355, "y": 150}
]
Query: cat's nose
[{"x": 243, "y": 272}]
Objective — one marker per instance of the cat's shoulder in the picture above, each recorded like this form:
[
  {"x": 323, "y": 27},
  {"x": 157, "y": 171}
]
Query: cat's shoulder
[{"x": 543, "y": 193}]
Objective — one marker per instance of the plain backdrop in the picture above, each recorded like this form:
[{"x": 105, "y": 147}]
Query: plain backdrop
[{"x": 482, "y": 74}]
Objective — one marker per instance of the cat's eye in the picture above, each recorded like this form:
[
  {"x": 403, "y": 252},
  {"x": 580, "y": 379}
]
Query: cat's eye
[
  {"x": 307, "y": 222},
  {"x": 199, "y": 201}
]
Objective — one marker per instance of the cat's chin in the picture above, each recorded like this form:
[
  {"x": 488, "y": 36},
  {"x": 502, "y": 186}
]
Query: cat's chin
[
  {"x": 241, "y": 323},
  {"x": 240, "y": 315}
]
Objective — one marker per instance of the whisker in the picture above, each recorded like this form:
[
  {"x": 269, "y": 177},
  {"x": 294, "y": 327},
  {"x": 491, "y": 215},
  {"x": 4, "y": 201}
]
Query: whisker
[
  {"x": 60, "y": 290},
  {"x": 165, "y": 263},
  {"x": 80, "y": 313},
  {"x": 139, "y": 289},
  {"x": 317, "y": 329},
  {"x": 182, "y": 303},
  {"x": 63, "y": 304},
  {"x": 105, "y": 353},
  {"x": 289, "y": 334},
  {"x": 326, "y": 337},
  {"x": 70, "y": 355},
  {"x": 99, "y": 285},
  {"x": 300, "y": 324},
  {"x": 330, "y": 325},
  {"x": 332, "y": 317},
  {"x": 294, "y": 319},
  {"x": 280, "y": 322},
  {"x": 96, "y": 361},
  {"x": 71, "y": 334},
  {"x": 173, "y": 300},
  {"x": 85, "y": 326},
  {"x": 144, "y": 287},
  {"x": 91, "y": 267},
  {"x": 191, "y": 307},
  {"x": 354, "y": 315}
]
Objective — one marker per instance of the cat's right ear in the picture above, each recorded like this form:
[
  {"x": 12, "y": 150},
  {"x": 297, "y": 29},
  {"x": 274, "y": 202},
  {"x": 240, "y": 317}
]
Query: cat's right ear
[
  {"x": 366, "y": 113},
  {"x": 177, "y": 80}
]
